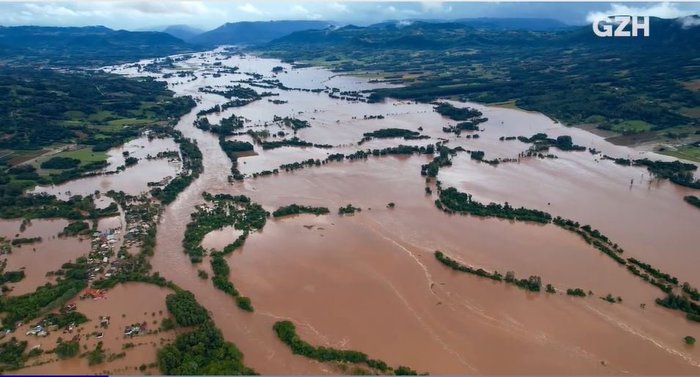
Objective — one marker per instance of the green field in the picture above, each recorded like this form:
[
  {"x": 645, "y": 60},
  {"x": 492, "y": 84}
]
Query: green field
[
  {"x": 631, "y": 126},
  {"x": 687, "y": 152}
]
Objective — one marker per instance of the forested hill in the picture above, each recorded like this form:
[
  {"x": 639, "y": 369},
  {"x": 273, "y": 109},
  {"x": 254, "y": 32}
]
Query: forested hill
[
  {"x": 250, "y": 32},
  {"x": 83, "y": 46},
  {"x": 628, "y": 85}
]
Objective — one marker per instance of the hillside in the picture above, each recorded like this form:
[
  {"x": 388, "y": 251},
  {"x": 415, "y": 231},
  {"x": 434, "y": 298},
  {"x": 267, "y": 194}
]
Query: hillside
[
  {"x": 638, "y": 87},
  {"x": 253, "y": 32},
  {"x": 183, "y": 32},
  {"x": 83, "y": 46}
]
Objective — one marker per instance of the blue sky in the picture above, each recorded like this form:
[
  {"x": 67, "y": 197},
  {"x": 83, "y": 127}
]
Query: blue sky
[{"x": 138, "y": 15}]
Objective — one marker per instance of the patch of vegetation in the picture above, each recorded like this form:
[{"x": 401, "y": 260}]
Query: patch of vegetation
[
  {"x": 457, "y": 113},
  {"x": 11, "y": 354},
  {"x": 455, "y": 201},
  {"x": 386, "y": 133},
  {"x": 67, "y": 350},
  {"x": 296, "y": 209},
  {"x": 692, "y": 200},
  {"x": 576, "y": 292},
  {"x": 202, "y": 352},
  {"x": 293, "y": 142},
  {"x": 64, "y": 319},
  {"x": 226, "y": 126},
  {"x": 75, "y": 228},
  {"x": 533, "y": 283},
  {"x": 60, "y": 163},
  {"x": 235, "y": 146},
  {"x": 541, "y": 143},
  {"x": 48, "y": 207},
  {"x": 293, "y": 123},
  {"x": 286, "y": 332},
  {"x": 192, "y": 167},
  {"x": 682, "y": 303},
  {"x": 25, "y": 241},
  {"x": 72, "y": 278},
  {"x": 96, "y": 356},
  {"x": 185, "y": 308},
  {"x": 348, "y": 210},
  {"x": 225, "y": 210}
]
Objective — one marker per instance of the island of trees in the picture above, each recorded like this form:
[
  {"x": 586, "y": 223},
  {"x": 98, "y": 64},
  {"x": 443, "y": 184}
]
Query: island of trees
[{"x": 296, "y": 209}]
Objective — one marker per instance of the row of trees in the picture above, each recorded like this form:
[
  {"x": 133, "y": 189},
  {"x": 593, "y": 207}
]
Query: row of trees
[
  {"x": 532, "y": 283},
  {"x": 192, "y": 167},
  {"x": 286, "y": 332}
]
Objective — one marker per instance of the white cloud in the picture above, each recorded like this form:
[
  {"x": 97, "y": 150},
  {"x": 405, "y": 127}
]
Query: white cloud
[
  {"x": 689, "y": 22},
  {"x": 299, "y": 11},
  {"x": 338, "y": 8},
  {"x": 396, "y": 12},
  {"x": 249, "y": 8},
  {"x": 435, "y": 7},
  {"x": 661, "y": 10}
]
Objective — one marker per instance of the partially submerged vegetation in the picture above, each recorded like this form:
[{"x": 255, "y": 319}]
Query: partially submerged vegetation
[
  {"x": 692, "y": 200},
  {"x": 296, "y": 209},
  {"x": 348, "y": 210},
  {"x": 286, "y": 332},
  {"x": 432, "y": 60},
  {"x": 201, "y": 351},
  {"x": 680, "y": 173},
  {"x": 532, "y": 283},
  {"x": 223, "y": 210},
  {"x": 192, "y": 167},
  {"x": 453, "y": 201},
  {"x": 541, "y": 142}
]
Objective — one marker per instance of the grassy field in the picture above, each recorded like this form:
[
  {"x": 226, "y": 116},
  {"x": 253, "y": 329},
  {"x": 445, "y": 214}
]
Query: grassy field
[
  {"x": 688, "y": 152},
  {"x": 84, "y": 154},
  {"x": 631, "y": 126}
]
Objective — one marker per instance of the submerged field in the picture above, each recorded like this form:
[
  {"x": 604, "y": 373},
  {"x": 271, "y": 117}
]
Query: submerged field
[{"x": 366, "y": 277}]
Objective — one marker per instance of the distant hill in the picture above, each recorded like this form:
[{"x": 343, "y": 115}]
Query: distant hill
[
  {"x": 492, "y": 33},
  {"x": 183, "y": 32},
  {"x": 254, "y": 32},
  {"x": 533, "y": 24},
  {"x": 569, "y": 74},
  {"x": 83, "y": 46},
  {"x": 416, "y": 35}
]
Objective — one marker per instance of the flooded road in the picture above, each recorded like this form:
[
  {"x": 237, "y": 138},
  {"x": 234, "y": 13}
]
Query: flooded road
[{"x": 369, "y": 281}]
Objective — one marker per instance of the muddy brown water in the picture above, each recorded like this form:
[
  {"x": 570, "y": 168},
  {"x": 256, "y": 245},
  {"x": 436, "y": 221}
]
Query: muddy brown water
[
  {"x": 370, "y": 282},
  {"x": 119, "y": 305}
]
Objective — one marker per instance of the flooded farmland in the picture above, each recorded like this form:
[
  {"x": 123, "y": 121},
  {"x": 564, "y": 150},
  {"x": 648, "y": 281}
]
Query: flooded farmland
[{"x": 369, "y": 281}]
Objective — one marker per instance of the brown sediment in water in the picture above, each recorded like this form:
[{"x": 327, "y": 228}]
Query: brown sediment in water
[
  {"x": 370, "y": 282},
  {"x": 133, "y": 180},
  {"x": 120, "y": 305},
  {"x": 218, "y": 239},
  {"x": 37, "y": 259}
]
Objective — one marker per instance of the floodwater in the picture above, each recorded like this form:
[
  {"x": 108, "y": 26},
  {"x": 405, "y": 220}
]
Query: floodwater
[
  {"x": 133, "y": 180},
  {"x": 118, "y": 304},
  {"x": 39, "y": 258},
  {"x": 220, "y": 238},
  {"x": 370, "y": 282}
]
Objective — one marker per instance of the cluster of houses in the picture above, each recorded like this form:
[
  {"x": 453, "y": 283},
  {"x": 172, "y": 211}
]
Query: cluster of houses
[
  {"x": 136, "y": 229},
  {"x": 102, "y": 249},
  {"x": 45, "y": 326}
]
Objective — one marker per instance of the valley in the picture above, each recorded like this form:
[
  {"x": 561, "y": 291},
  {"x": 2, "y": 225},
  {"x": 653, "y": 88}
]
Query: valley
[{"x": 362, "y": 278}]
